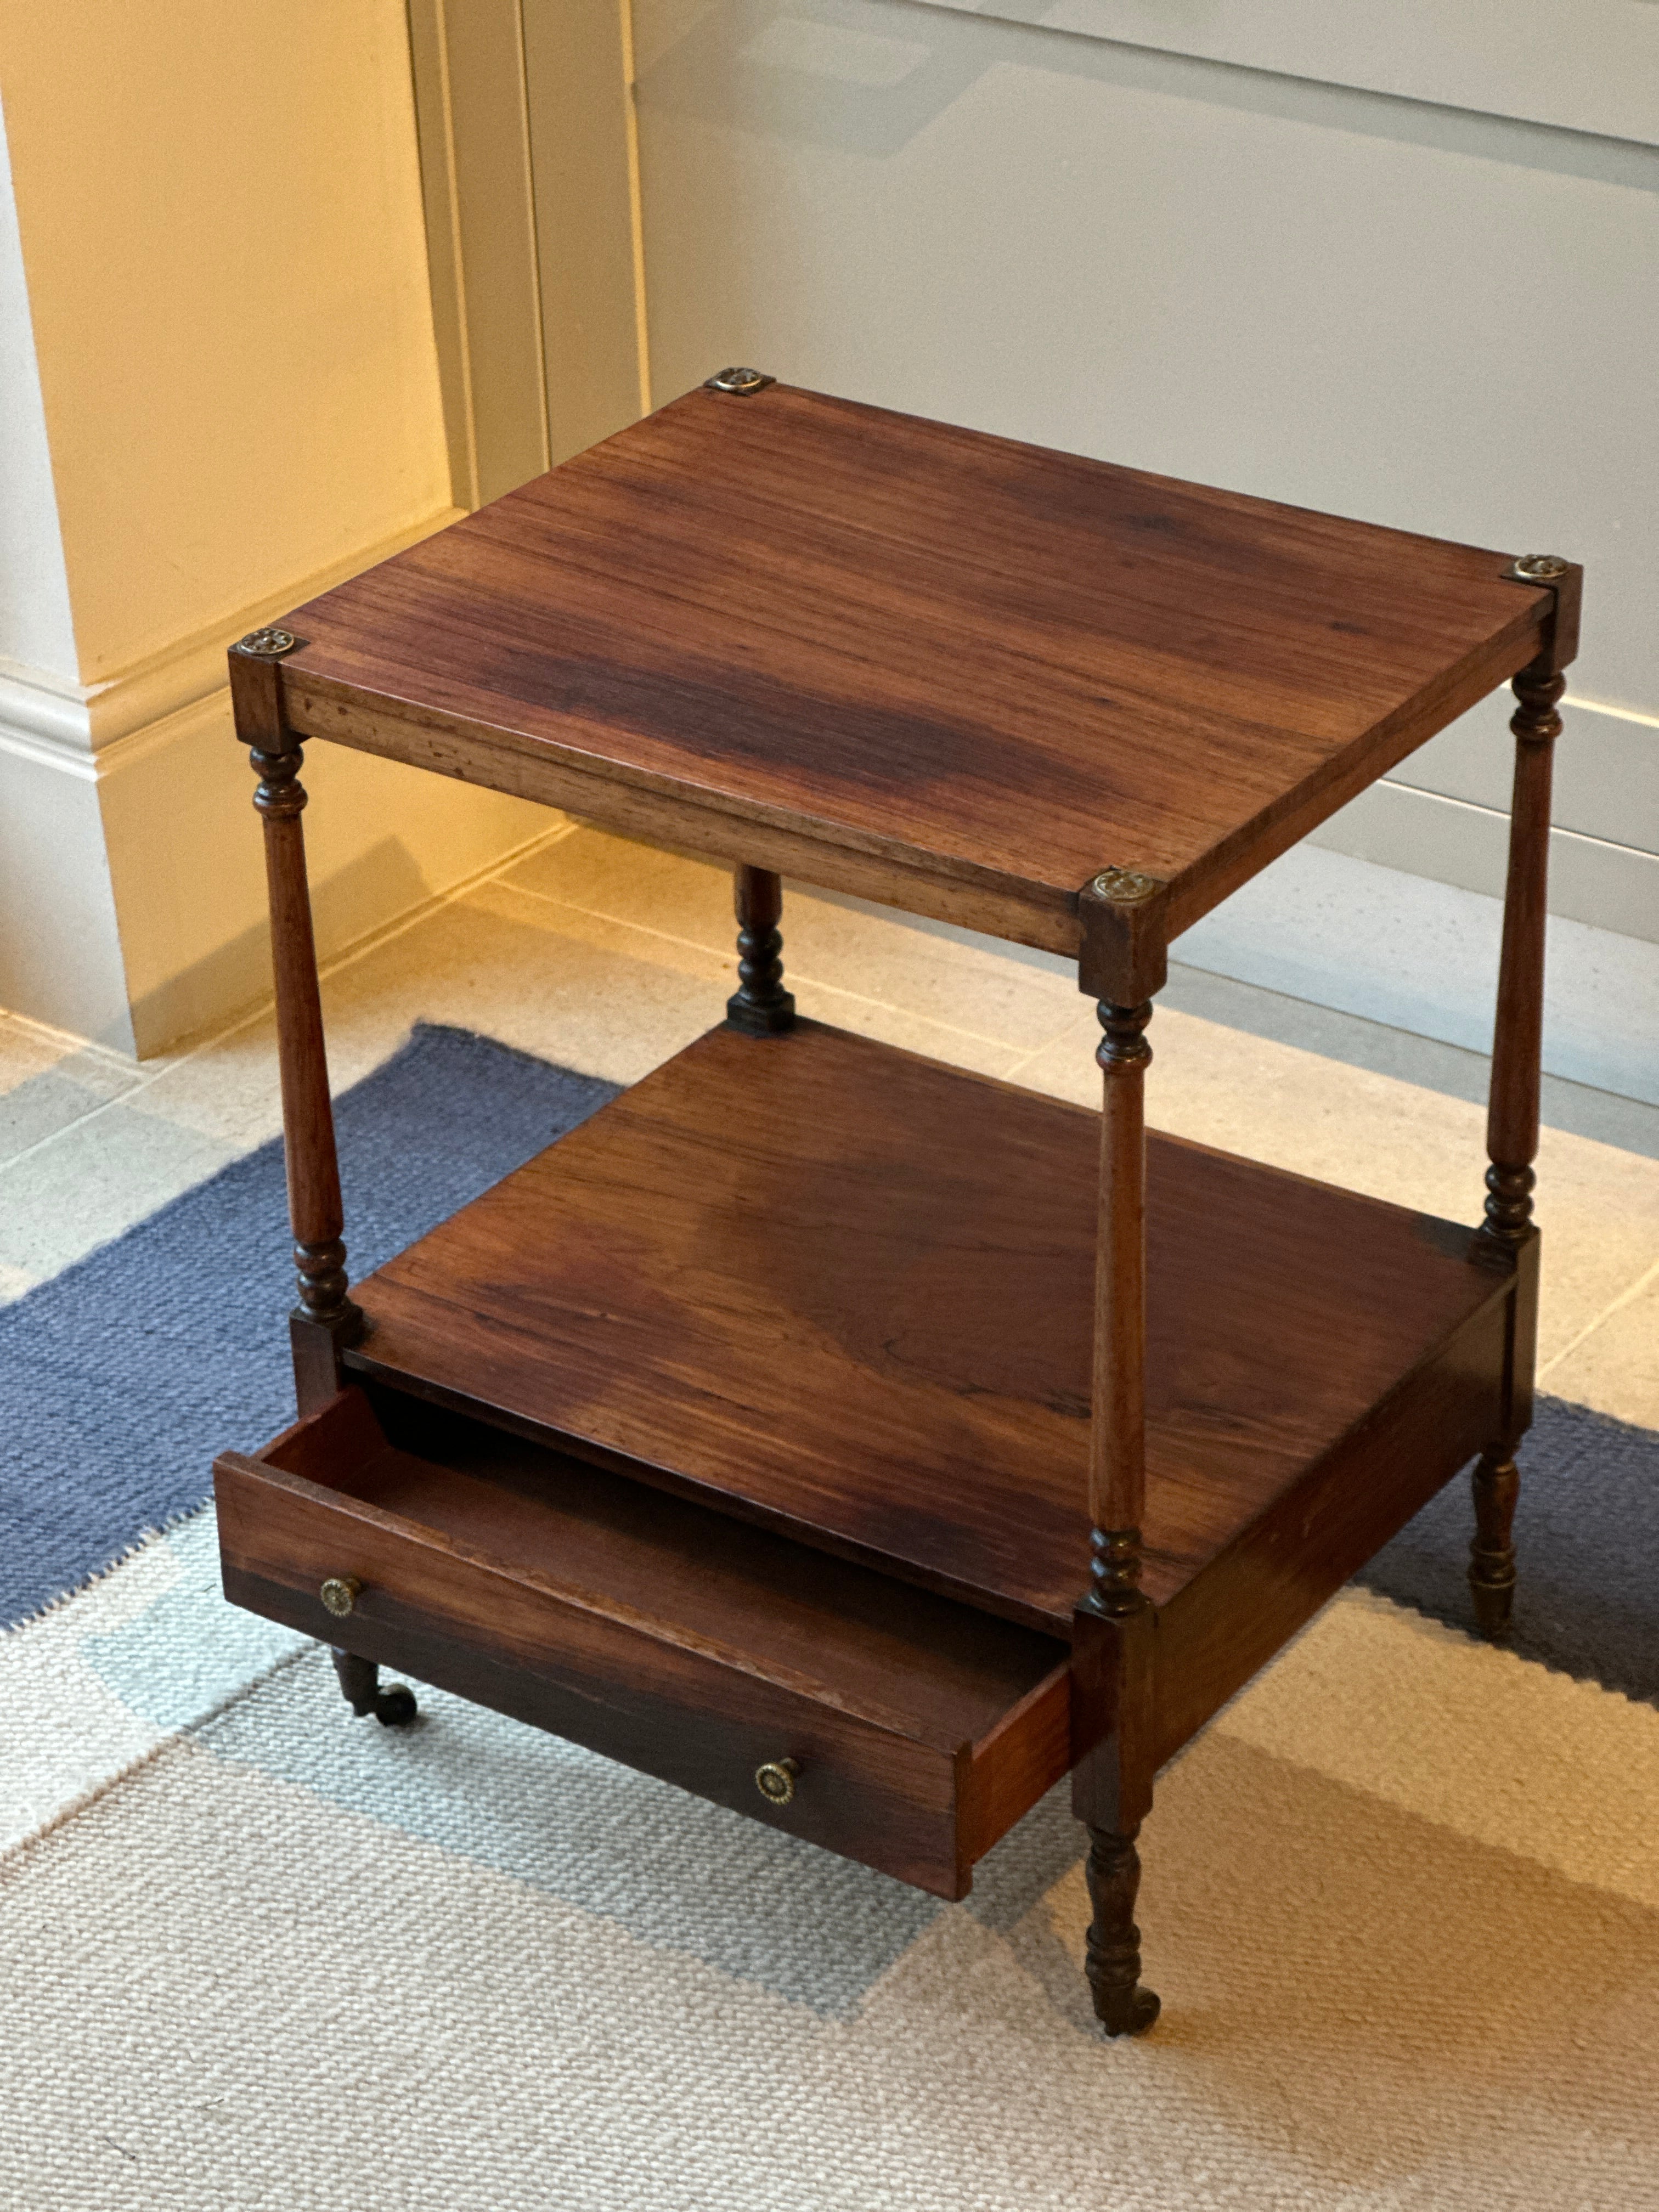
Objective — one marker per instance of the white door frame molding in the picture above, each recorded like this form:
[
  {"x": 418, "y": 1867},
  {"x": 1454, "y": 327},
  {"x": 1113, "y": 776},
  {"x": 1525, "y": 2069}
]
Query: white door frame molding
[{"x": 529, "y": 165}]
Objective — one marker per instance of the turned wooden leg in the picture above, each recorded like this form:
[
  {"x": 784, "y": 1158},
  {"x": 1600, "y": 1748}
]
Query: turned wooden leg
[
  {"x": 760, "y": 1005},
  {"x": 325, "y": 1320},
  {"x": 1113, "y": 1643},
  {"x": 1518, "y": 1033},
  {"x": 1122, "y": 2006},
  {"x": 359, "y": 1685},
  {"x": 1512, "y": 1127},
  {"x": 1491, "y": 1555}
]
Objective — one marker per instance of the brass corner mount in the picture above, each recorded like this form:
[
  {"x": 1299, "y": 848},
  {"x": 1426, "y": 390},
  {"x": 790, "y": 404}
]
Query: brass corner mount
[
  {"x": 270, "y": 644},
  {"x": 742, "y": 382},
  {"x": 1536, "y": 568},
  {"x": 1124, "y": 886}
]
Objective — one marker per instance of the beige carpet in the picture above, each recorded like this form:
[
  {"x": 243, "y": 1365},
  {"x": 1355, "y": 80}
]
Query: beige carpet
[{"x": 525, "y": 1977}]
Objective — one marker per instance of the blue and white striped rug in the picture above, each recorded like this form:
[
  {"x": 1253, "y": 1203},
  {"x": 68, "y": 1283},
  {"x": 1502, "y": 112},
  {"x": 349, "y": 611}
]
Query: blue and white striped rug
[{"x": 122, "y": 1378}]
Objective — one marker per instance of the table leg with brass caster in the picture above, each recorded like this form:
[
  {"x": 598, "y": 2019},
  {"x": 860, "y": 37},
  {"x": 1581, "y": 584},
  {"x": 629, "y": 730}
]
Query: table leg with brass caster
[
  {"x": 360, "y": 1678},
  {"x": 359, "y": 1681}
]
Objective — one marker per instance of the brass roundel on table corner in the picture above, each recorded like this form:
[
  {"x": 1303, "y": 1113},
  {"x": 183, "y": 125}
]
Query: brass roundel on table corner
[
  {"x": 267, "y": 644},
  {"x": 1539, "y": 568},
  {"x": 776, "y": 1780},
  {"x": 743, "y": 381},
  {"x": 340, "y": 1593},
  {"x": 1123, "y": 886}
]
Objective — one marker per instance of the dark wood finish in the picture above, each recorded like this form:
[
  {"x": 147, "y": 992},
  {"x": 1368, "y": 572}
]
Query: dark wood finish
[
  {"x": 1115, "y": 1658},
  {"x": 1558, "y": 647},
  {"x": 1228, "y": 1620},
  {"x": 1113, "y": 1699},
  {"x": 325, "y": 1317},
  {"x": 686, "y": 825},
  {"x": 891, "y": 1356},
  {"x": 760, "y": 1006},
  {"x": 360, "y": 1686},
  {"x": 1122, "y": 2006},
  {"x": 1496, "y": 1486},
  {"x": 679, "y": 1640},
  {"x": 1124, "y": 923},
  {"x": 1518, "y": 1033},
  {"x": 1117, "y": 1434},
  {"x": 914, "y": 661},
  {"x": 1017, "y": 1761},
  {"x": 688, "y": 1440},
  {"x": 1513, "y": 1112}
]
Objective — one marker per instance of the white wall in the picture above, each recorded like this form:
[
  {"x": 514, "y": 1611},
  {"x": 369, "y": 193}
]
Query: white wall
[
  {"x": 1153, "y": 231},
  {"x": 235, "y": 404},
  {"x": 51, "y": 835},
  {"x": 39, "y": 630}
]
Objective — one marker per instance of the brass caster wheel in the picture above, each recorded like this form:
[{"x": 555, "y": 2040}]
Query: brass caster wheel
[
  {"x": 359, "y": 1681},
  {"x": 1126, "y": 2012}
]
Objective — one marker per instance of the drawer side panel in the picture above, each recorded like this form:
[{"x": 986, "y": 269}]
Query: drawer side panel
[{"x": 1247, "y": 1604}]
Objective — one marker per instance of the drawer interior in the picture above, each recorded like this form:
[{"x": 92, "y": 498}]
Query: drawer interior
[{"x": 936, "y": 1671}]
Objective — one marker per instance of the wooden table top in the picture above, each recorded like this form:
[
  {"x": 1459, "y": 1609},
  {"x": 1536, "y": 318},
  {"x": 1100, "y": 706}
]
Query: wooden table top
[{"x": 915, "y": 661}]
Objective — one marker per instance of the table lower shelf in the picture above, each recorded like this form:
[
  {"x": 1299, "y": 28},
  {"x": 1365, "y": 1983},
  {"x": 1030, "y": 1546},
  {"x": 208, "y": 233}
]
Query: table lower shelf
[
  {"x": 748, "y": 1424},
  {"x": 845, "y": 1291},
  {"x": 683, "y": 1642}
]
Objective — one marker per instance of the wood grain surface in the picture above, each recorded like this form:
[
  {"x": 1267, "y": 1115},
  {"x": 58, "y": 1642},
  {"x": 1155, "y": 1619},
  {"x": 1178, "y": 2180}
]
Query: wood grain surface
[
  {"x": 848, "y": 1291},
  {"x": 911, "y": 660},
  {"x": 1295, "y": 1555}
]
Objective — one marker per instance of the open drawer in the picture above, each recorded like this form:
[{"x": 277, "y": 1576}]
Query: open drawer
[{"x": 681, "y": 1640}]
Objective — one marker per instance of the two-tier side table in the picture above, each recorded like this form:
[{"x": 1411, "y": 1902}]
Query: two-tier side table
[{"x": 861, "y": 1444}]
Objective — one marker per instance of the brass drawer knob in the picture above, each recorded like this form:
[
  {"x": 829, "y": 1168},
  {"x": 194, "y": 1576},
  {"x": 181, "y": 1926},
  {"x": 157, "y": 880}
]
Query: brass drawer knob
[
  {"x": 340, "y": 1593},
  {"x": 776, "y": 1780}
]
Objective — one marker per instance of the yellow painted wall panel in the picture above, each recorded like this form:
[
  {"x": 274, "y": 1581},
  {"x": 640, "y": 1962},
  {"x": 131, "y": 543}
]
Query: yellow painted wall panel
[{"x": 221, "y": 217}]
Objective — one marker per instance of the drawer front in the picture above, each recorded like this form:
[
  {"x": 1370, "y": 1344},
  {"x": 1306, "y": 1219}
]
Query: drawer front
[{"x": 622, "y": 1685}]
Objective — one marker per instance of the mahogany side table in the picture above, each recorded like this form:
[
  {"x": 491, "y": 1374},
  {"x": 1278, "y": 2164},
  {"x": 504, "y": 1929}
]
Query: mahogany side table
[{"x": 859, "y": 1443}]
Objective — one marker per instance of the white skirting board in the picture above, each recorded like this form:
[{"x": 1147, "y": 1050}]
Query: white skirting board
[
  {"x": 1610, "y": 887},
  {"x": 132, "y": 899},
  {"x": 132, "y": 902},
  {"x": 1422, "y": 956}
]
